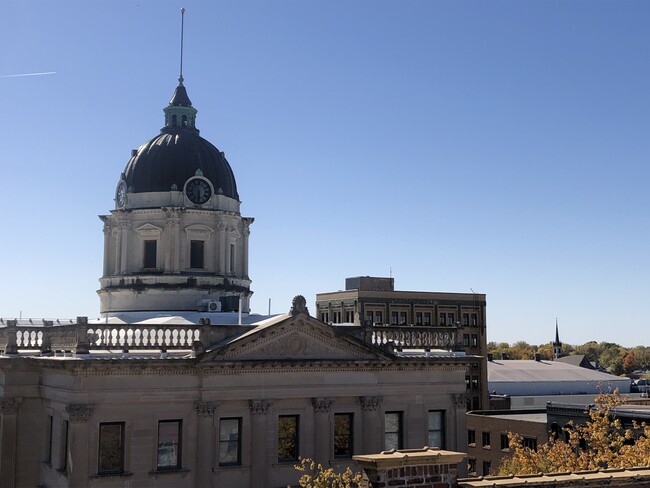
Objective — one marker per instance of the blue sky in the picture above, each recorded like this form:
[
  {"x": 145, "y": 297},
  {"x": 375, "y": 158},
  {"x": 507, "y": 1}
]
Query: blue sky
[{"x": 494, "y": 146}]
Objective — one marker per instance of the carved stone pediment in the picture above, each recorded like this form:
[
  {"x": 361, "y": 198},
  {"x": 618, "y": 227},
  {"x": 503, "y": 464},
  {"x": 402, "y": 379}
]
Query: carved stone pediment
[
  {"x": 148, "y": 230},
  {"x": 296, "y": 337}
]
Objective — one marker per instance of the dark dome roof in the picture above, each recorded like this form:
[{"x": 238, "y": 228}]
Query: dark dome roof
[
  {"x": 168, "y": 160},
  {"x": 174, "y": 156}
]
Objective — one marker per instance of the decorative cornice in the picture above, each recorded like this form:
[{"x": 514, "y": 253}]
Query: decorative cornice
[
  {"x": 10, "y": 406},
  {"x": 259, "y": 407},
  {"x": 204, "y": 409},
  {"x": 80, "y": 412},
  {"x": 322, "y": 405},
  {"x": 370, "y": 403}
]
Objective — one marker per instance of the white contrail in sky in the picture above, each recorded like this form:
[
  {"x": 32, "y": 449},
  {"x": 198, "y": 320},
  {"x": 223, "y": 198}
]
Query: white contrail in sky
[{"x": 29, "y": 74}]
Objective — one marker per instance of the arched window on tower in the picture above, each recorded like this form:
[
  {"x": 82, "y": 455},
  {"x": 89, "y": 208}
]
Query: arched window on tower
[
  {"x": 174, "y": 120},
  {"x": 184, "y": 121}
]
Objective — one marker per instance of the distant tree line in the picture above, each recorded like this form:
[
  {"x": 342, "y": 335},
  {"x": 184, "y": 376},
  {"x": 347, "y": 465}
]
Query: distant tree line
[{"x": 606, "y": 355}]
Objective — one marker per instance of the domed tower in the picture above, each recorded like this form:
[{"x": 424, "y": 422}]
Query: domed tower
[{"x": 176, "y": 240}]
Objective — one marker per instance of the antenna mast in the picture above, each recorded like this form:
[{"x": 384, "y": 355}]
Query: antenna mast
[{"x": 180, "y": 78}]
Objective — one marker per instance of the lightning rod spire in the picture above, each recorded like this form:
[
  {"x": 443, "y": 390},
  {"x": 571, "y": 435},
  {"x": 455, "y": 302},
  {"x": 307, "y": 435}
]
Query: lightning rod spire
[{"x": 180, "y": 78}]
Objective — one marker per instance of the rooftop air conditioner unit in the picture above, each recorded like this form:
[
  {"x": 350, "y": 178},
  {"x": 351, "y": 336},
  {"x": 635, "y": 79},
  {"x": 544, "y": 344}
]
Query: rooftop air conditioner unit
[{"x": 211, "y": 305}]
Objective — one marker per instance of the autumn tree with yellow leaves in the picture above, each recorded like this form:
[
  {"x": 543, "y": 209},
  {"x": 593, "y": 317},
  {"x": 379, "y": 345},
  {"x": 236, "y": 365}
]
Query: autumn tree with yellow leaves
[
  {"x": 599, "y": 444},
  {"x": 314, "y": 475}
]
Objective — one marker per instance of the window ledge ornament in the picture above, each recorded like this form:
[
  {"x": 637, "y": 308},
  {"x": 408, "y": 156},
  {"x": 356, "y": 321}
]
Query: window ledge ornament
[
  {"x": 259, "y": 407},
  {"x": 80, "y": 412},
  {"x": 299, "y": 305},
  {"x": 204, "y": 409},
  {"x": 10, "y": 406},
  {"x": 322, "y": 405},
  {"x": 370, "y": 403}
]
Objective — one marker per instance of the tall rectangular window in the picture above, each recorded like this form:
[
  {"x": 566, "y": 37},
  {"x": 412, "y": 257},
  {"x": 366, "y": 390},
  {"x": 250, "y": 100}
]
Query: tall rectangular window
[
  {"x": 402, "y": 318},
  {"x": 442, "y": 319},
  {"x": 149, "y": 255},
  {"x": 465, "y": 319},
  {"x": 450, "y": 318},
  {"x": 169, "y": 444},
  {"x": 111, "y": 448},
  {"x": 486, "y": 439},
  {"x": 471, "y": 436},
  {"x": 288, "y": 438},
  {"x": 393, "y": 318},
  {"x": 427, "y": 318},
  {"x": 418, "y": 318},
  {"x": 378, "y": 318},
  {"x": 474, "y": 320},
  {"x": 436, "y": 428},
  {"x": 63, "y": 457},
  {"x": 196, "y": 254},
  {"x": 343, "y": 435},
  {"x": 505, "y": 444},
  {"x": 393, "y": 430},
  {"x": 232, "y": 259},
  {"x": 230, "y": 441}
]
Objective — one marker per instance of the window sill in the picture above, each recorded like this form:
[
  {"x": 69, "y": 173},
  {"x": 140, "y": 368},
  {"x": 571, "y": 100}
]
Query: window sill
[
  {"x": 123, "y": 474},
  {"x": 169, "y": 471},
  {"x": 487, "y": 447},
  {"x": 471, "y": 444},
  {"x": 229, "y": 467},
  {"x": 507, "y": 449}
]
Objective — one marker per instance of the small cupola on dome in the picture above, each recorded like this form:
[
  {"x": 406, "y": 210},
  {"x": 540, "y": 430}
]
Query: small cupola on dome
[{"x": 180, "y": 114}]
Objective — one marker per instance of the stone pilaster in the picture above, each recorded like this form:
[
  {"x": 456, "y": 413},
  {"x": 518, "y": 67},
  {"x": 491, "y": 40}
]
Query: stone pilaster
[
  {"x": 78, "y": 439},
  {"x": 457, "y": 421},
  {"x": 372, "y": 423},
  {"x": 8, "y": 442},
  {"x": 322, "y": 437},
  {"x": 204, "y": 442},
  {"x": 259, "y": 410}
]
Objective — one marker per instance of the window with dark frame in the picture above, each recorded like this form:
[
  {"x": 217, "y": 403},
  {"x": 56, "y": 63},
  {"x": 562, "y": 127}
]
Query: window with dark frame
[
  {"x": 436, "y": 428},
  {"x": 465, "y": 340},
  {"x": 471, "y": 436},
  {"x": 230, "y": 441},
  {"x": 465, "y": 319},
  {"x": 170, "y": 435},
  {"x": 196, "y": 254},
  {"x": 393, "y": 318},
  {"x": 149, "y": 254},
  {"x": 427, "y": 318},
  {"x": 392, "y": 430},
  {"x": 343, "y": 428},
  {"x": 111, "y": 448},
  {"x": 288, "y": 449},
  {"x": 486, "y": 439},
  {"x": 530, "y": 443},
  {"x": 474, "y": 340},
  {"x": 505, "y": 443},
  {"x": 471, "y": 466},
  {"x": 378, "y": 318},
  {"x": 487, "y": 465}
]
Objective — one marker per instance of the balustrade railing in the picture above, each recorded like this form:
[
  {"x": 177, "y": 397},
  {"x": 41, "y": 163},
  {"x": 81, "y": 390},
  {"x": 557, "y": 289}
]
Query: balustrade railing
[
  {"x": 81, "y": 338},
  {"x": 410, "y": 337}
]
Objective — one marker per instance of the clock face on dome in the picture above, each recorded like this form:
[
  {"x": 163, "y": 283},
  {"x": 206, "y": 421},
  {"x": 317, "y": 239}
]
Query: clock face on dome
[
  {"x": 198, "y": 191},
  {"x": 120, "y": 194}
]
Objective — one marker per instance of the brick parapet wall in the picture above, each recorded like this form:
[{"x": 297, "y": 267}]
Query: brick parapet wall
[{"x": 424, "y": 468}]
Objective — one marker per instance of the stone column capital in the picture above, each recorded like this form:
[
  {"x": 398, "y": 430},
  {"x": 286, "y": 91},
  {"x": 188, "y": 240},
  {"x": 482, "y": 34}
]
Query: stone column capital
[
  {"x": 204, "y": 409},
  {"x": 322, "y": 405},
  {"x": 259, "y": 407},
  {"x": 10, "y": 406},
  {"x": 80, "y": 412},
  {"x": 370, "y": 403}
]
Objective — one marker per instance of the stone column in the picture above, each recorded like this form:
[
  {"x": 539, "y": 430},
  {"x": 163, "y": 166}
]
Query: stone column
[
  {"x": 259, "y": 410},
  {"x": 9, "y": 440},
  {"x": 107, "y": 245},
  {"x": 78, "y": 439},
  {"x": 322, "y": 438},
  {"x": 204, "y": 442},
  {"x": 171, "y": 250},
  {"x": 124, "y": 248},
  {"x": 372, "y": 424},
  {"x": 244, "y": 256},
  {"x": 222, "y": 268},
  {"x": 116, "y": 232}
]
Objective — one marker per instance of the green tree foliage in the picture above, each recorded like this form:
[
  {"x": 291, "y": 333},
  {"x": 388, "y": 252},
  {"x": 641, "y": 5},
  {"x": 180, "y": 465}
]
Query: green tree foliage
[
  {"x": 316, "y": 476},
  {"x": 600, "y": 443}
]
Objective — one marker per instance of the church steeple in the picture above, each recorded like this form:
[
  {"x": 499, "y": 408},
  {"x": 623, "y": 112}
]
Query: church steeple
[{"x": 557, "y": 345}]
